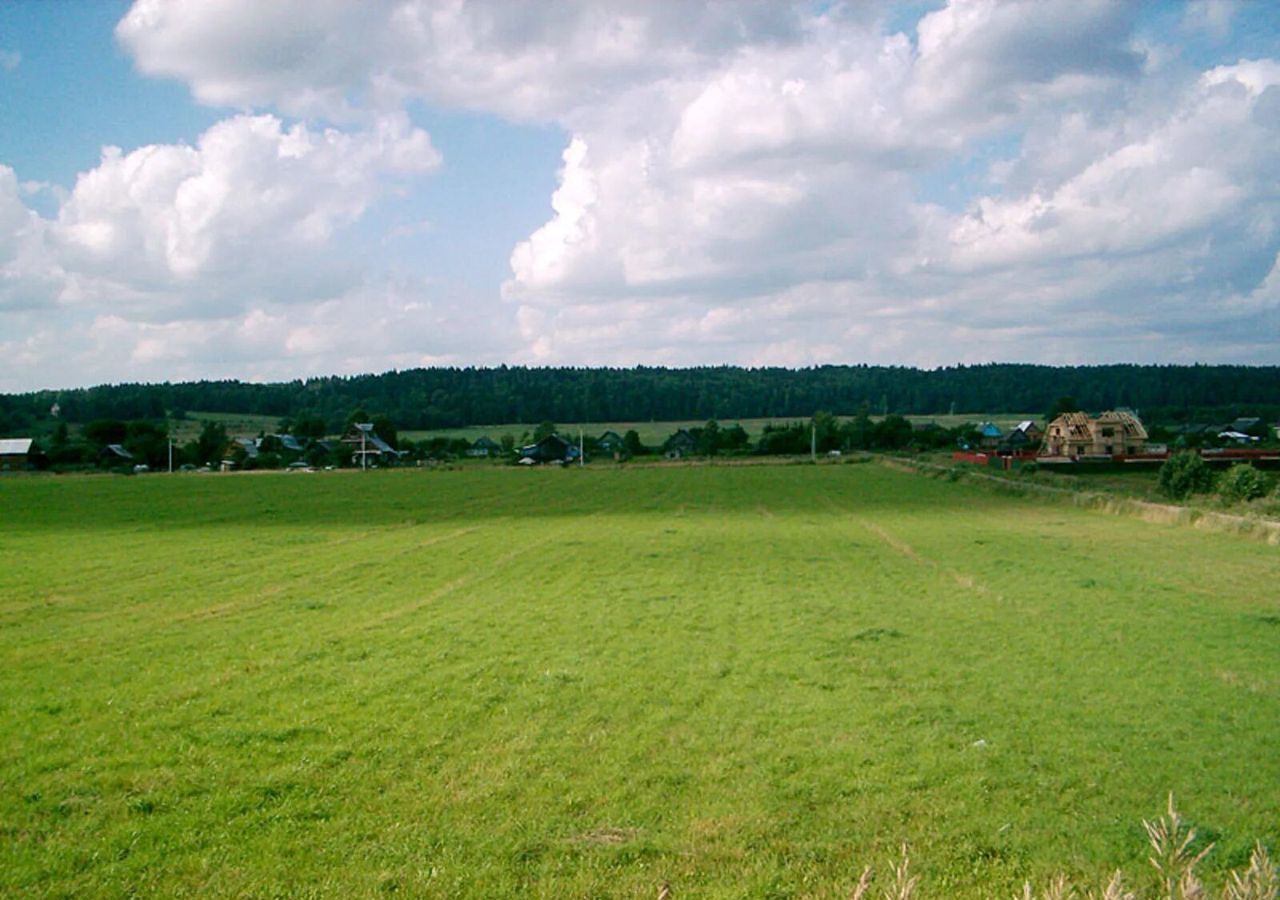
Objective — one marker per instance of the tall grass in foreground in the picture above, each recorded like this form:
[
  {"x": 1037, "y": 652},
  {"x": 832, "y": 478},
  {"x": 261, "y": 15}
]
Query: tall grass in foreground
[{"x": 1173, "y": 858}]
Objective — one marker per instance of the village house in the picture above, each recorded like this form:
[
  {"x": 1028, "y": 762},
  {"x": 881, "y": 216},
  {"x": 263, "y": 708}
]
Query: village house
[
  {"x": 484, "y": 447},
  {"x": 551, "y": 449},
  {"x": 14, "y": 452},
  {"x": 682, "y": 443},
  {"x": 367, "y": 448},
  {"x": 249, "y": 446},
  {"x": 1114, "y": 433},
  {"x": 1033, "y": 432},
  {"x": 989, "y": 435},
  {"x": 114, "y": 454},
  {"x": 1023, "y": 437},
  {"x": 289, "y": 443},
  {"x": 611, "y": 443}
]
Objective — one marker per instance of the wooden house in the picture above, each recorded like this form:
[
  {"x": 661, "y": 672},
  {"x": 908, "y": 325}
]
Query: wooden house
[
  {"x": 484, "y": 447},
  {"x": 1033, "y": 432},
  {"x": 680, "y": 444},
  {"x": 611, "y": 443},
  {"x": 989, "y": 435},
  {"x": 1023, "y": 437},
  {"x": 1114, "y": 433}
]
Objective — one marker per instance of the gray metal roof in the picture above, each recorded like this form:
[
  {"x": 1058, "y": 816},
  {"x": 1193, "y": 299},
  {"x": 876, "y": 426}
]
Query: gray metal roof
[
  {"x": 15, "y": 446},
  {"x": 371, "y": 437}
]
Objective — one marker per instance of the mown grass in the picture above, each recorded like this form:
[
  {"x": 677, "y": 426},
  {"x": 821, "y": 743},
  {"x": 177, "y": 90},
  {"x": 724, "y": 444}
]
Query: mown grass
[{"x": 746, "y": 681}]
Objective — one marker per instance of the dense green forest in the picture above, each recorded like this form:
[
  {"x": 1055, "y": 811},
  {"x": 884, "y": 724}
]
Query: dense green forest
[{"x": 452, "y": 397}]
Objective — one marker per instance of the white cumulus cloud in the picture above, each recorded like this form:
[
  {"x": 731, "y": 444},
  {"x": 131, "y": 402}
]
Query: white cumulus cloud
[
  {"x": 745, "y": 182},
  {"x": 247, "y": 213}
]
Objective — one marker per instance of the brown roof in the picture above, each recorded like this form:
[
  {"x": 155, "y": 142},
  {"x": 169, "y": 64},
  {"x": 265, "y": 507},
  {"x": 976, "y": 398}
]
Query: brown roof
[
  {"x": 1126, "y": 420},
  {"x": 1074, "y": 425}
]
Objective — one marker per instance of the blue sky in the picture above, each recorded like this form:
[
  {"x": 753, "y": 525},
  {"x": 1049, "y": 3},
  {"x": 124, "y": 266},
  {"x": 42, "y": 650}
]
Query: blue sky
[
  {"x": 74, "y": 90},
  {"x": 318, "y": 186}
]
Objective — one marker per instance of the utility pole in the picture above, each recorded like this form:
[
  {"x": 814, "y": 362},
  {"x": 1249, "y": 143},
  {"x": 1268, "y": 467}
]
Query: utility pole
[
  {"x": 170, "y": 455},
  {"x": 364, "y": 457},
  {"x": 582, "y": 456},
  {"x": 813, "y": 441}
]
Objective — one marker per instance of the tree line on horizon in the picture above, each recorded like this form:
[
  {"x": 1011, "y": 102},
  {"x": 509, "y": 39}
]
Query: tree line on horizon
[{"x": 457, "y": 397}]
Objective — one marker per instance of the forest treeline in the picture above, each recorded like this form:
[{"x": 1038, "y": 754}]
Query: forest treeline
[{"x": 454, "y": 397}]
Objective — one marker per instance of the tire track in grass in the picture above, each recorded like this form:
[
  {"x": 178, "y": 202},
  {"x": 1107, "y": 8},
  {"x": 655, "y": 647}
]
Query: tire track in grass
[
  {"x": 432, "y": 541},
  {"x": 494, "y": 570},
  {"x": 961, "y": 578}
]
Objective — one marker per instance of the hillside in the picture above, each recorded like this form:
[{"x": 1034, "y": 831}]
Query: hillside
[{"x": 439, "y": 398}]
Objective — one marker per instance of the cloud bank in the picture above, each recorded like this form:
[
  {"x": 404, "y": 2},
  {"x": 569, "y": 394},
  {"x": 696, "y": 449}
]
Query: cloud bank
[{"x": 747, "y": 182}]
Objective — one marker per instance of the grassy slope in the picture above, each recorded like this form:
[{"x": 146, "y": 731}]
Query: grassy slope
[{"x": 568, "y": 683}]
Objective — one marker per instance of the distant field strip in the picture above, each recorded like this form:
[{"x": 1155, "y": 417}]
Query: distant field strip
[{"x": 743, "y": 680}]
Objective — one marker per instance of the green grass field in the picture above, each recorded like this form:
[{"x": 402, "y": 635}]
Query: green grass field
[
  {"x": 237, "y": 425},
  {"x": 748, "y": 681}
]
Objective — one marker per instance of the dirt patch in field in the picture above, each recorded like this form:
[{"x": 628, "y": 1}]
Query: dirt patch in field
[{"x": 605, "y": 836}]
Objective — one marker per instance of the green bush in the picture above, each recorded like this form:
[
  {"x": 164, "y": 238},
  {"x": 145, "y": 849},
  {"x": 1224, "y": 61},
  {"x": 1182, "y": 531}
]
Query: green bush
[
  {"x": 1184, "y": 474},
  {"x": 1242, "y": 482}
]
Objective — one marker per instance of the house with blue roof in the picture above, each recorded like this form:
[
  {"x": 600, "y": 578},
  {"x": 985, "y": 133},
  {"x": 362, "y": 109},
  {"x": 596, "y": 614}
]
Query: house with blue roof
[{"x": 989, "y": 435}]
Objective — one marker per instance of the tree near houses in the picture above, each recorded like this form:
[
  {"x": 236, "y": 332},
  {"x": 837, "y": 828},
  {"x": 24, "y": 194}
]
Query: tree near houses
[
  {"x": 708, "y": 438},
  {"x": 892, "y": 433},
  {"x": 106, "y": 431},
  {"x": 826, "y": 431},
  {"x": 1242, "y": 482},
  {"x": 1060, "y": 406},
  {"x": 303, "y": 426},
  {"x": 384, "y": 428},
  {"x": 856, "y": 433},
  {"x": 210, "y": 444},
  {"x": 631, "y": 441},
  {"x": 357, "y": 415},
  {"x": 1184, "y": 474}
]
